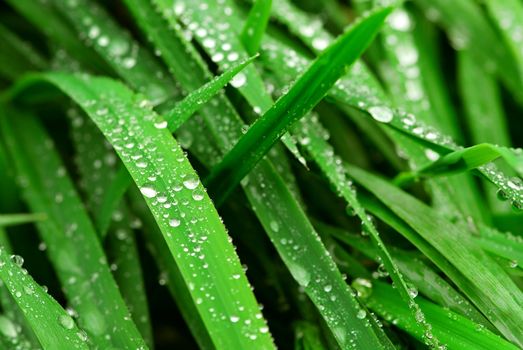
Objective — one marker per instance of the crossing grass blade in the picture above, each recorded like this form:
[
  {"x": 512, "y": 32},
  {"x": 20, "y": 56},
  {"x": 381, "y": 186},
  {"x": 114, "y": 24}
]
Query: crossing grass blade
[
  {"x": 454, "y": 242},
  {"x": 308, "y": 90},
  {"x": 468, "y": 159},
  {"x": 205, "y": 257},
  {"x": 17, "y": 219},
  {"x": 54, "y": 328}
]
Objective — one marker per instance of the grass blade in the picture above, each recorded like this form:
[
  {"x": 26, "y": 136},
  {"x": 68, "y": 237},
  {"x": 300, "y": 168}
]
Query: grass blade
[
  {"x": 17, "y": 219},
  {"x": 456, "y": 245},
  {"x": 54, "y": 328},
  {"x": 255, "y": 25},
  {"x": 72, "y": 243},
  {"x": 305, "y": 94},
  {"x": 456, "y": 331},
  {"x": 205, "y": 256}
]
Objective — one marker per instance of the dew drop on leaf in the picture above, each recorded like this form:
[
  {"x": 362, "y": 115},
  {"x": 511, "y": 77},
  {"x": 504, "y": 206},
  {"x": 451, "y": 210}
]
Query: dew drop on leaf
[
  {"x": 381, "y": 114},
  {"x": 148, "y": 191}
]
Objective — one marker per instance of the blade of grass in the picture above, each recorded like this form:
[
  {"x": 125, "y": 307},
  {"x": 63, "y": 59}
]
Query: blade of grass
[
  {"x": 17, "y": 219},
  {"x": 308, "y": 90},
  {"x": 425, "y": 279},
  {"x": 205, "y": 256},
  {"x": 17, "y": 56},
  {"x": 43, "y": 17},
  {"x": 455, "y": 244},
  {"x": 455, "y": 330},
  {"x": 54, "y": 328},
  {"x": 93, "y": 159},
  {"x": 468, "y": 159},
  {"x": 173, "y": 119},
  {"x": 467, "y": 28},
  {"x": 168, "y": 268},
  {"x": 255, "y": 25},
  {"x": 331, "y": 167},
  {"x": 72, "y": 243},
  {"x": 118, "y": 49}
]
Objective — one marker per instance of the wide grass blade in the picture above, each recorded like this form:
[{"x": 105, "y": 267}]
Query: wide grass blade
[
  {"x": 173, "y": 119},
  {"x": 204, "y": 256},
  {"x": 53, "y": 327},
  {"x": 308, "y": 90}
]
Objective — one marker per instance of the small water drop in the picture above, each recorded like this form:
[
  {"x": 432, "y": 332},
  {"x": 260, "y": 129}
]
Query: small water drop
[
  {"x": 174, "y": 222},
  {"x": 148, "y": 191},
  {"x": 191, "y": 183},
  {"x": 381, "y": 114},
  {"x": 66, "y": 321},
  {"x": 239, "y": 80}
]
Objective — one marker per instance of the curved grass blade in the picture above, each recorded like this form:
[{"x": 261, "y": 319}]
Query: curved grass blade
[
  {"x": 468, "y": 159},
  {"x": 173, "y": 119},
  {"x": 53, "y": 327},
  {"x": 308, "y": 90},
  {"x": 195, "y": 235},
  {"x": 456, "y": 245},
  {"x": 72, "y": 244},
  {"x": 169, "y": 271},
  {"x": 455, "y": 330},
  {"x": 96, "y": 164},
  {"x": 17, "y": 219},
  {"x": 255, "y": 25}
]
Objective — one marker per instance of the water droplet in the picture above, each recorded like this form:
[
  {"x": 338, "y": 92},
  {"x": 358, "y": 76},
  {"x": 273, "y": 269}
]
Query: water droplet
[
  {"x": 18, "y": 260},
  {"x": 148, "y": 191},
  {"x": 300, "y": 274},
  {"x": 234, "y": 319},
  {"x": 381, "y": 114},
  {"x": 274, "y": 226},
  {"x": 361, "y": 314},
  {"x": 399, "y": 20},
  {"x": 191, "y": 183},
  {"x": 239, "y": 80},
  {"x": 327, "y": 288},
  {"x": 363, "y": 287},
  {"x": 174, "y": 222},
  {"x": 320, "y": 43},
  {"x": 160, "y": 125},
  {"x": 66, "y": 321}
]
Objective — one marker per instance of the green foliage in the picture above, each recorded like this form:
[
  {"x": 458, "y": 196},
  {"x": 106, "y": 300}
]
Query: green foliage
[{"x": 362, "y": 159}]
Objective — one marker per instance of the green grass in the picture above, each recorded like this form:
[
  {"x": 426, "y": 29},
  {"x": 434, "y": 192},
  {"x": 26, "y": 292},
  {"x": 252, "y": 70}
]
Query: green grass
[{"x": 242, "y": 174}]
